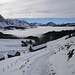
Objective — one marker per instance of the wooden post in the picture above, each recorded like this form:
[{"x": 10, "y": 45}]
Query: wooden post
[{"x": 3, "y": 70}]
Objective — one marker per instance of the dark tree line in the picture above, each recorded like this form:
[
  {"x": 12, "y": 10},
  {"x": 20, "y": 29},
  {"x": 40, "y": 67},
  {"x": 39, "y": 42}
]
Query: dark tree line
[
  {"x": 35, "y": 38},
  {"x": 7, "y": 36},
  {"x": 12, "y": 27},
  {"x": 49, "y": 36}
]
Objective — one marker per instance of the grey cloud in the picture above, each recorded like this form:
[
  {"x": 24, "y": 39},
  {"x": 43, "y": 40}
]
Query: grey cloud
[{"x": 38, "y": 8}]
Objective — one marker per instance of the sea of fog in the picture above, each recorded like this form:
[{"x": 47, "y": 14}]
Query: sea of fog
[{"x": 35, "y": 31}]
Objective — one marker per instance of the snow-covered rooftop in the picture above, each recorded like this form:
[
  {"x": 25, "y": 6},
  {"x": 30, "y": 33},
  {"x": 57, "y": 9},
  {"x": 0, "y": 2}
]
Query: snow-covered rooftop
[
  {"x": 12, "y": 52},
  {"x": 39, "y": 46},
  {"x": 1, "y": 55}
]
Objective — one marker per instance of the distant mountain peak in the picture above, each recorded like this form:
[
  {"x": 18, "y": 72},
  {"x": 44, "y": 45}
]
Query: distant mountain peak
[
  {"x": 50, "y": 24},
  {"x": 2, "y": 18},
  {"x": 22, "y": 24}
]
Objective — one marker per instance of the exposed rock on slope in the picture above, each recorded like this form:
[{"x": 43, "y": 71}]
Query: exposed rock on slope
[{"x": 2, "y": 22}]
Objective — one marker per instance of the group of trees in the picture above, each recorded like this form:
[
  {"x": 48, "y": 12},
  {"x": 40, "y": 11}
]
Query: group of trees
[
  {"x": 26, "y": 43},
  {"x": 7, "y": 36},
  {"x": 49, "y": 36},
  {"x": 56, "y": 34},
  {"x": 13, "y": 27}
]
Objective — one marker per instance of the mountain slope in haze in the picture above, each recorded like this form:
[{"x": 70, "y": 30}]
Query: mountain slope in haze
[
  {"x": 22, "y": 24},
  {"x": 19, "y": 23},
  {"x": 13, "y": 23}
]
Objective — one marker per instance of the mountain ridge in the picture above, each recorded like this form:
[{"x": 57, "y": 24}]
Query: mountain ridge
[{"x": 14, "y": 23}]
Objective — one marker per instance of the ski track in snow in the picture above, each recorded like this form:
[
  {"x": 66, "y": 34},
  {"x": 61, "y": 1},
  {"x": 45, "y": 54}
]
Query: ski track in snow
[
  {"x": 41, "y": 66},
  {"x": 35, "y": 63},
  {"x": 40, "y": 62}
]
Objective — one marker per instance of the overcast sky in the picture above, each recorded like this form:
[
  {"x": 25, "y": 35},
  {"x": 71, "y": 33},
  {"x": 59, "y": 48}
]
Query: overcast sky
[{"x": 37, "y": 8}]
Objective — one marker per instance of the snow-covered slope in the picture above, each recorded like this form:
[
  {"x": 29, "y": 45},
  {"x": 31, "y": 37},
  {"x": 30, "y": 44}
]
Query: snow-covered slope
[
  {"x": 63, "y": 61},
  {"x": 3, "y": 24},
  {"x": 18, "y": 23},
  {"x": 12, "y": 23},
  {"x": 11, "y": 44},
  {"x": 53, "y": 60}
]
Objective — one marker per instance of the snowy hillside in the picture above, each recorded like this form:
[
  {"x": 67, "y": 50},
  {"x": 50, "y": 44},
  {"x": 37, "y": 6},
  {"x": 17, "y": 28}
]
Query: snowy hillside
[
  {"x": 63, "y": 61},
  {"x": 3, "y": 24},
  {"x": 57, "y": 58},
  {"x": 18, "y": 23},
  {"x": 12, "y": 23}
]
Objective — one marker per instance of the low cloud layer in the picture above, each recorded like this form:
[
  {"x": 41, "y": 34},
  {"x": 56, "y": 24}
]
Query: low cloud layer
[{"x": 37, "y": 8}]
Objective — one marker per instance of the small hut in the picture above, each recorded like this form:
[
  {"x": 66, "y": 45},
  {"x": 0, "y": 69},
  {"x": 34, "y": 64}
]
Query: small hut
[
  {"x": 2, "y": 57},
  {"x": 13, "y": 54},
  {"x": 38, "y": 47}
]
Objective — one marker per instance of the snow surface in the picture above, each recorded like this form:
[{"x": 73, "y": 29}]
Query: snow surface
[
  {"x": 35, "y": 31},
  {"x": 52, "y": 60},
  {"x": 42, "y": 62},
  {"x": 3, "y": 24},
  {"x": 60, "y": 63},
  {"x": 18, "y": 23},
  {"x": 11, "y": 44}
]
